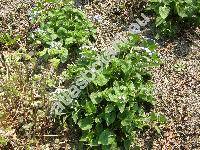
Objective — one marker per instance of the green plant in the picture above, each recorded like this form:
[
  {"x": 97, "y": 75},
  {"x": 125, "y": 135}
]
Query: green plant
[
  {"x": 116, "y": 103},
  {"x": 3, "y": 141},
  {"x": 7, "y": 36},
  {"x": 170, "y": 14},
  {"x": 7, "y": 39},
  {"x": 62, "y": 30},
  {"x": 179, "y": 67}
]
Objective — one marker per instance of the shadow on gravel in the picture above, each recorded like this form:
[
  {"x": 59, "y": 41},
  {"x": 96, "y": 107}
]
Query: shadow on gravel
[{"x": 182, "y": 48}]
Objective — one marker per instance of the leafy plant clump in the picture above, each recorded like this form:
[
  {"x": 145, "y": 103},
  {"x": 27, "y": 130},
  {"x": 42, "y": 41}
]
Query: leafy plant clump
[
  {"x": 115, "y": 102},
  {"x": 7, "y": 39},
  {"x": 62, "y": 30},
  {"x": 174, "y": 13}
]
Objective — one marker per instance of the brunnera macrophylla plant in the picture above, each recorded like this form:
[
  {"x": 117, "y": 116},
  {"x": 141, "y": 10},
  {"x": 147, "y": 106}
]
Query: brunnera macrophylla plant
[
  {"x": 62, "y": 30},
  {"x": 116, "y": 104},
  {"x": 170, "y": 14}
]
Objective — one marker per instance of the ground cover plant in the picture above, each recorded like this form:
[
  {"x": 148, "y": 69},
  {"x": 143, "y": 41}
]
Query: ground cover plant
[
  {"x": 116, "y": 103},
  {"x": 171, "y": 15},
  {"x": 61, "y": 31}
]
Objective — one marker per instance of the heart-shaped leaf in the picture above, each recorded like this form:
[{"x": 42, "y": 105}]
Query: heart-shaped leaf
[
  {"x": 164, "y": 11},
  {"x": 86, "y": 123},
  {"x": 106, "y": 138}
]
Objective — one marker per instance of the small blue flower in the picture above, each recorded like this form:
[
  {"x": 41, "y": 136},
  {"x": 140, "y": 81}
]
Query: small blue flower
[
  {"x": 33, "y": 5},
  {"x": 147, "y": 50},
  {"x": 97, "y": 18}
]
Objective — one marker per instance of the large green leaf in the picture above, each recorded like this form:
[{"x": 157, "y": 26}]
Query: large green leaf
[
  {"x": 75, "y": 116},
  {"x": 121, "y": 106},
  {"x": 159, "y": 21},
  {"x": 90, "y": 107},
  {"x": 87, "y": 136},
  {"x": 62, "y": 31},
  {"x": 106, "y": 138},
  {"x": 86, "y": 123},
  {"x": 189, "y": 1},
  {"x": 95, "y": 98},
  {"x": 64, "y": 55},
  {"x": 69, "y": 40},
  {"x": 110, "y": 117},
  {"x": 109, "y": 108},
  {"x": 55, "y": 62},
  {"x": 100, "y": 80},
  {"x": 164, "y": 11},
  {"x": 158, "y": 117},
  {"x": 181, "y": 10}
]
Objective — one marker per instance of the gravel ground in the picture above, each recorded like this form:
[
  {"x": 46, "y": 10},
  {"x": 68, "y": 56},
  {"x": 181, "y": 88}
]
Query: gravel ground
[
  {"x": 13, "y": 17},
  {"x": 178, "y": 93}
]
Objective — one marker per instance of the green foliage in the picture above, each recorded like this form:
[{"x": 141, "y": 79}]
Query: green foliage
[
  {"x": 62, "y": 30},
  {"x": 179, "y": 67},
  {"x": 6, "y": 38},
  {"x": 170, "y": 14},
  {"x": 3, "y": 141},
  {"x": 115, "y": 103}
]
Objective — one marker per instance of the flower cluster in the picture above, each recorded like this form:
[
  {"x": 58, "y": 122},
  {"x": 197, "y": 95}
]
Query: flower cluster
[{"x": 148, "y": 51}]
